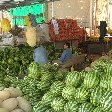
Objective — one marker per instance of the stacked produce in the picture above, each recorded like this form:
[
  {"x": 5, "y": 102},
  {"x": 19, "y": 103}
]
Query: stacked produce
[
  {"x": 14, "y": 61},
  {"x": 11, "y": 100},
  {"x": 49, "y": 90},
  {"x": 80, "y": 91},
  {"x": 68, "y": 30},
  {"x": 37, "y": 83}
]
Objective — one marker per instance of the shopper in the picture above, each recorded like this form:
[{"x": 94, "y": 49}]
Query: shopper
[
  {"x": 40, "y": 55},
  {"x": 67, "y": 54}
]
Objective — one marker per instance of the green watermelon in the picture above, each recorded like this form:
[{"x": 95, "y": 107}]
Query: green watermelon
[
  {"x": 40, "y": 107},
  {"x": 48, "y": 98},
  {"x": 44, "y": 86},
  {"x": 98, "y": 109},
  {"x": 2, "y": 86},
  {"x": 46, "y": 75},
  {"x": 106, "y": 101},
  {"x": 57, "y": 87},
  {"x": 34, "y": 70},
  {"x": 71, "y": 106},
  {"x": 82, "y": 94},
  {"x": 86, "y": 107},
  {"x": 50, "y": 110},
  {"x": 73, "y": 79},
  {"x": 69, "y": 92},
  {"x": 58, "y": 104},
  {"x": 91, "y": 79},
  {"x": 96, "y": 95},
  {"x": 108, "y": 68},
  {"x": 59, "y": 76},
  {"x": 106, "y": 82}
]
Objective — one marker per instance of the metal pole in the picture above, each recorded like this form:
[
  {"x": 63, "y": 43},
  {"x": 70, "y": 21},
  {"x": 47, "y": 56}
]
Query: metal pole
[
  {"x": 43, "y": 10},
  {"x": 52, "y": 8},
  {"x": 95, "y": 2},
  {"x": 91, "y": 16},
  {"x": 52, "y": 17}
]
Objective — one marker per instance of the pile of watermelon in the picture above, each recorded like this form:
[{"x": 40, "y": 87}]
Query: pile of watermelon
[
  {"x": 80, "y": 91},
  {"x": 50, "y": 90}
]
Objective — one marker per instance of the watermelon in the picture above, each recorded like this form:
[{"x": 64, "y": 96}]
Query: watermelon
[
  {"x": 50, "y": 110},
  {"x": 48, "y": 98},
  {"x": 86, "y": 107},
  {"x": 96, "y": 95},
  {"x": 73, "y": 79},
  {"x": 106, "y": 101},
  {"x": 59, "y": 76},
  {"x": 82, "y": 94},
  {"x": 69, "y": 92},
  {"x": 98, "y": 109},
  {"x": 91, "y": 80},
  {"x": 108, "y": 68},
  {"x": 46, "y": 75},
  {"x": 44, "y": 86},
  {"x": 51, "y": 67},
  {"x": 106, "y": 82},
  {"x": 57, "y": 87},
  {"x": 71, "y": 106},
  {"x": 58, "y": 104},
  {"x": 40, "y": 107},
  {"x": 34, "y": 70}
]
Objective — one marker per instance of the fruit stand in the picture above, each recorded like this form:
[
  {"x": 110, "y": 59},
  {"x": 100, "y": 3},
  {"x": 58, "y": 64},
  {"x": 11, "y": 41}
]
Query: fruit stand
[{"x": 25, "y": 86}]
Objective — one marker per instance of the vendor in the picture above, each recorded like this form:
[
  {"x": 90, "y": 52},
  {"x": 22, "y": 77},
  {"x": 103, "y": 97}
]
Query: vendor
[
  {"x": 40, "y": 55},
  {"x": 67, "y": 54}
]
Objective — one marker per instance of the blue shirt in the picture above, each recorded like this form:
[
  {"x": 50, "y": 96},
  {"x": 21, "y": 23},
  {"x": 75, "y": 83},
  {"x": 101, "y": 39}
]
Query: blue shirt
[
  {"x": 40, "y": 56},
  {"x": 67, "y": 54}
]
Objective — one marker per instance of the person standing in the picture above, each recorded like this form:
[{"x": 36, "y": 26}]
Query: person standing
[{"x": 40, "y": 55}]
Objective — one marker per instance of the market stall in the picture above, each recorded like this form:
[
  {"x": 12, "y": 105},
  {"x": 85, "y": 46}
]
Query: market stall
[{"x": 83, "y": 83}]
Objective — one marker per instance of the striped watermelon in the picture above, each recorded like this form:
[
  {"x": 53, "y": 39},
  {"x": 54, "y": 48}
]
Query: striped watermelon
[
  {"x": 101, "y": 65},
  {"x": 57, "y": 87},
  {"x": 44, "y": 86},
  {"x": 82, "y": 94},
  {"x": 69, "y": 92},
  {"x": 46, "y": 75},
  {"x": 106, "y": 82},
  {"x": 58, "y": 104},
  {"x": 91, "y": 80},
  {"x": 50, "y": 110},
  {"x": 73, "y": 79},
  {"x": 48, "y": 98},
  {"x": 71, "y": 106},
  {"x": 96, "y": 95},
  {"x": 34, "y": 70},
  {"x": 59, "y": 76},
  {"x": 108, "y": 69},
  {"x": 40, "y": 107},
  {"x": 106, "y": 101},
  {"x": 98, "y": 109},
  {"x": 86, "y": 107}
]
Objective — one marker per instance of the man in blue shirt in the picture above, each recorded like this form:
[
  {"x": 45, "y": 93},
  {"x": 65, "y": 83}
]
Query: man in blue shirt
[
  {"x": 67, "y": 53},
  {"x": 40, "y": 55}
]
